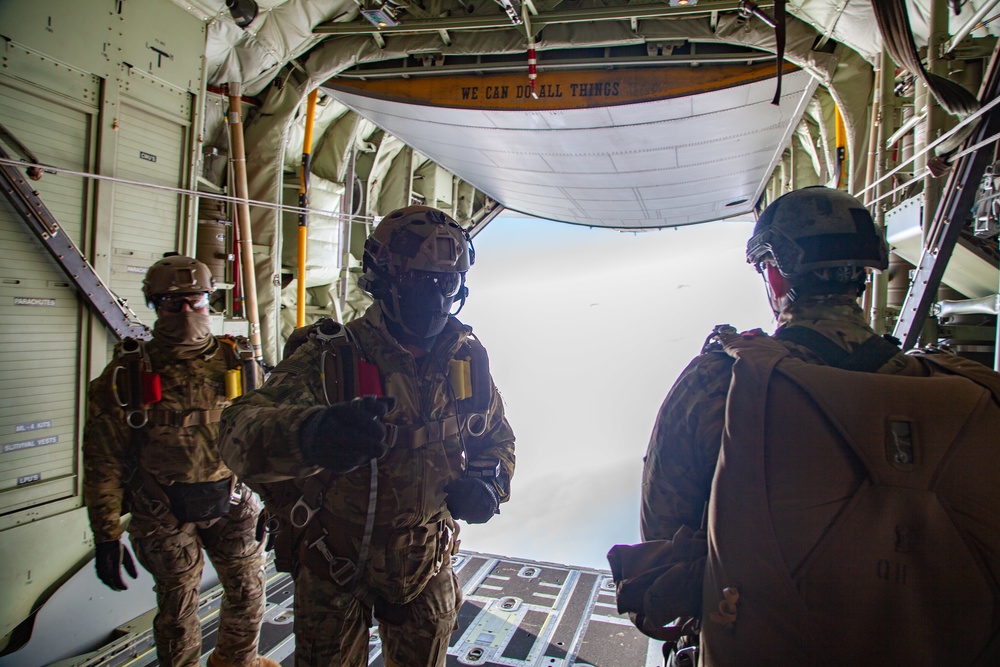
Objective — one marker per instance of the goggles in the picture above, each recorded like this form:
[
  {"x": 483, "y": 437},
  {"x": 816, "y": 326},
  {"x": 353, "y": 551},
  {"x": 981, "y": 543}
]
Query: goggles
[
  {"x": 447, "y": 284},
  {"x": 174, "y": 303}
]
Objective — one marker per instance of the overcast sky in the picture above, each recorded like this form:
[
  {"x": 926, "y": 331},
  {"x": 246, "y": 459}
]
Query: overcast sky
[{"x": 586, "y": 331}]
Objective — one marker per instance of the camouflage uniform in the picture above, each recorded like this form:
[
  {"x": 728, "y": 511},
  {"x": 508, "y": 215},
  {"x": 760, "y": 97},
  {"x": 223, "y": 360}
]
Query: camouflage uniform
[
  {"x": 416, "y": 595},
  {"x": 684, "y": 448},
  {"x": 171, "y": 551}
]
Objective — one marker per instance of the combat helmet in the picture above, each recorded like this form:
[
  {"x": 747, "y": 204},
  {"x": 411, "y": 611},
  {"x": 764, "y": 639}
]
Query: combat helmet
[
  {"x": 817, "y": 228},
  {"x": 415, "y": 238},
  {"x": 176, "y": 274}
]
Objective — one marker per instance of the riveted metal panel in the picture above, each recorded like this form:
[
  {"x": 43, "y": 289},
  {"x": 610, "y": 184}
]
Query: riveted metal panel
[
  {"x": 150, "y": 149},
  {"x": 40, "y": 313},
  {"x": 70, "y": 31}
]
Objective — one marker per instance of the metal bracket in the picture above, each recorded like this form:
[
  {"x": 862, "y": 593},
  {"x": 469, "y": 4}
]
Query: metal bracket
[{"x": 95, "y": 293}]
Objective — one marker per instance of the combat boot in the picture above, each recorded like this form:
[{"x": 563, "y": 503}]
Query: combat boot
[{"x": 215, "y": 661}]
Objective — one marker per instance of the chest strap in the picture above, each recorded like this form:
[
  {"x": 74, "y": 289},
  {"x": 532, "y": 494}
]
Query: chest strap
[
  {"x": 183, "y": 419},
  {"x": 428, "y": 432}
]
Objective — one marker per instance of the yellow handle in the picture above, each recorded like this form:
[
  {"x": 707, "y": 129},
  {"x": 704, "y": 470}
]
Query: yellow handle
[
  {"x": 234, "y": 383},
  {"x": 460, "y": 376}
]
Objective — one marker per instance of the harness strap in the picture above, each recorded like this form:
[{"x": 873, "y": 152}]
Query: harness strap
[
  {"x": 427, "y": 432},
  {"x": 867, "y": 357},
  {"x": 178, "y": 419}
]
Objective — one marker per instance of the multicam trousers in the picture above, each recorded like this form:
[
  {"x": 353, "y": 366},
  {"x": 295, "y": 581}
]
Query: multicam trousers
[
  {"x": 331, "y": 625},
  {"x": 172, "y": 554}
]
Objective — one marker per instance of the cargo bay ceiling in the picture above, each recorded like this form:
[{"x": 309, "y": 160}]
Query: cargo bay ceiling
[
  {"x": 649, "y": 114},
  {"x": 689, "y": 135}
]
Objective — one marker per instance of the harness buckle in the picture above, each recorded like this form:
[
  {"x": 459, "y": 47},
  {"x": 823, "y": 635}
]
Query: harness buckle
[
  {"x": 342, "y": 570},
  {"x": 300, "y": 508}
]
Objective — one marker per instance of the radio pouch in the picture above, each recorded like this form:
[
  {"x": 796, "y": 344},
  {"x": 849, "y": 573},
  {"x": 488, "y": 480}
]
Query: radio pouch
[{"x": 199, "y": 501}]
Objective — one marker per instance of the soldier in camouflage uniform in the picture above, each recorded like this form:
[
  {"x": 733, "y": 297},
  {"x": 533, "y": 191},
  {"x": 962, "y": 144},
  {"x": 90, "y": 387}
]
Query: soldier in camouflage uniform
[
  {"x": 812, "y": 283},
  {"x": 367, "y": 490},
  {"x": 149, "y": 448}
]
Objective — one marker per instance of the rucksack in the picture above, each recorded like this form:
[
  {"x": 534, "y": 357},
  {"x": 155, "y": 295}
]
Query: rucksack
[{"x": 854, "y": 517}]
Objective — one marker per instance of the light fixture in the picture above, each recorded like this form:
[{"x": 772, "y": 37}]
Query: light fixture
[
  {"x": 243, "y": 11},
  {"x": 683, "y": 3},
  {"x": 383, "y": 16}
]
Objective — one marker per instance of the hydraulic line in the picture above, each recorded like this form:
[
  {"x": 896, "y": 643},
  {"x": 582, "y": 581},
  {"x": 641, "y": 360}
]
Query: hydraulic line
[{"x": 238, "y": 161}]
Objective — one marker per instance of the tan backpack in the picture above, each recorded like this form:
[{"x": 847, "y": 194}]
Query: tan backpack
[{"x": 854, "y": 517}]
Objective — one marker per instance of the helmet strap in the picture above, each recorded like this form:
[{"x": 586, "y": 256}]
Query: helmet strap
[{"x": 463, "y": 294}]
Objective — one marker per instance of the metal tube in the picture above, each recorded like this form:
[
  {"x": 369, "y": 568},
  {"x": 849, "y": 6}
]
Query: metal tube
[
  {"x": 238, "y": 161},
  {"x": 904, "y": 128},
  {"x": 936, "y": 117},
  {"x": 347, "y": 207},
  {"x": 984, "y": 305},
  {"x": 543, "y": 19},
  {"x": 884, "y": 125},
  {"x": 303, "y": 236},
  {"x": 970, "y": 25},
  {"x": 873, "y": 132}
]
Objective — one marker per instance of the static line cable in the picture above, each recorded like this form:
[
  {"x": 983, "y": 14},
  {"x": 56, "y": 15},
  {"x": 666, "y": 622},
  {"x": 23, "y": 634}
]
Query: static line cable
[
  {"x": 925, "y": 172},
  {"x": 180, "y": 191},
  {"x": 965, "y": 121}
]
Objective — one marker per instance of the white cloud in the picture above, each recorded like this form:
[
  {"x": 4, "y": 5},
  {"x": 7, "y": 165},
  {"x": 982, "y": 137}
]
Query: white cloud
[{"x": 587, "y": 330}]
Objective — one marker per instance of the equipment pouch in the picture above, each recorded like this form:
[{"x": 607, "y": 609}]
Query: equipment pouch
[{"x": 199, "y": 501}]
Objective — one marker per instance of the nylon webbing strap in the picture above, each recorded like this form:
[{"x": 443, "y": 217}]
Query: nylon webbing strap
[
  {"x": 825, "y": 348},
  {"x": 183, "y": 419},
  {"x": 867, "y": 358},
  {"x": 871, "y": 355},
  {"x": 427, "y": 432}
]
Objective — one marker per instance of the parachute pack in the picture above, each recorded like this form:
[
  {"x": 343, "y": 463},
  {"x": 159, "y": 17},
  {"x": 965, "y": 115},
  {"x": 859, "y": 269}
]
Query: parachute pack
[{"x": 854, "y": 517}]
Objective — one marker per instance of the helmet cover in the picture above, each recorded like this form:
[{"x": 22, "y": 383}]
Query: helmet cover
[
  {"x": 817, "y": 228},
  {"x": 418, "y": 238},
  {"x": 176, "y": 274}
]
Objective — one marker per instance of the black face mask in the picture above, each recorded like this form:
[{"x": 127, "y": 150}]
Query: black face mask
[{"x": 420, "y": 307}]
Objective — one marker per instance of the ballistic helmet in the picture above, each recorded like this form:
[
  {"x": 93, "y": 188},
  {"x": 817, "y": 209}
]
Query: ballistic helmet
[
  {"x": 416, "y": 238},
  {"x": 817, "y": 228},
  {"x": 176, "y": 274}
]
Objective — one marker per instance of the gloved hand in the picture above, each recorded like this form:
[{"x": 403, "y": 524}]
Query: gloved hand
[
  {"x": 346, "y": 435},
  {"x": 472, "y": 500},
  {"x": 110, "y": 557}
]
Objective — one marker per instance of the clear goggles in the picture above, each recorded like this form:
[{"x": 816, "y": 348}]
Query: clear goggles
[
  {"x": 415, "y": 280},
  {"x": 174, "y": 303}
]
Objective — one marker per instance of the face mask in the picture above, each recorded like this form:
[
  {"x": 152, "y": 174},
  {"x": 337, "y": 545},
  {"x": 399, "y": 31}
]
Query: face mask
[
  {"x": 188, "y": 333},
  {"x": 420, "y": 310}
]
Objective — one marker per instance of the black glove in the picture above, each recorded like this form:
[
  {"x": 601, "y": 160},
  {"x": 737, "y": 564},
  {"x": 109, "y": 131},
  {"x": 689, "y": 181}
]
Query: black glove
[
  {"x": 472, "y": 500},
  {"x": 110, "y": 557},
  {"x": 346, "y": 435}
]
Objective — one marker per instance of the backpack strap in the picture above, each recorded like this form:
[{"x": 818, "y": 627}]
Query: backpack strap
[{"x": 866, "y": 358}]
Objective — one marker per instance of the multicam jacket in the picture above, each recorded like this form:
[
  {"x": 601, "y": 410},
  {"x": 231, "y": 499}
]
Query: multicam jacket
[
  {"x": 260, "y": 438},
  {"x": 169, "y": 453},
  {"x": 684, "y": 447}
]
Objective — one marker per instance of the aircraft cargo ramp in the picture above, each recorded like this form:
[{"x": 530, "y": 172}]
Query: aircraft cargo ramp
[{"x": 516, "y": 613}]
